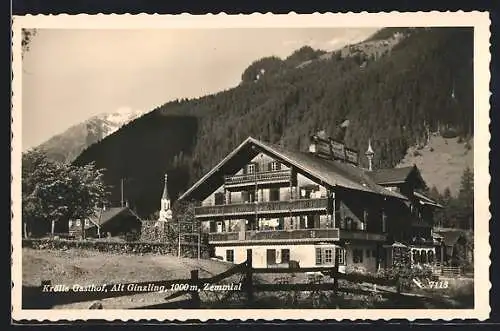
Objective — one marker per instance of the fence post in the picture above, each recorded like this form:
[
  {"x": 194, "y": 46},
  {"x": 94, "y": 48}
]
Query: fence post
[
  {"x": 195, "y": 296},
  {"x": 248, "y": 277},
  {"x": 336, "y": 273}
]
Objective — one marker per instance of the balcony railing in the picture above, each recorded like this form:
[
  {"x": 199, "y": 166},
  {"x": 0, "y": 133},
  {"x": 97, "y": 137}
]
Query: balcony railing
[
  {"x": 361, "y": 235},
  {"x": 259, "y": 178},
  {"x": 273, "y": 235},
  {"x": 262, "y": 208}
]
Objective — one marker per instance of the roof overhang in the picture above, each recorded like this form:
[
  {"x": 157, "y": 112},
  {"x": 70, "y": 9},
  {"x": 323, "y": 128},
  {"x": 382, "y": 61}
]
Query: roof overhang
[
  {"x": 240, "y": 156},
  {"x": 425, "y": 200}
]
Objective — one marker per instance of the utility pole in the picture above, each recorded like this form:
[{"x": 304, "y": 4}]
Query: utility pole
[
  {"x": 121, "y": 192},
  {"x": 199, "y": 240}
]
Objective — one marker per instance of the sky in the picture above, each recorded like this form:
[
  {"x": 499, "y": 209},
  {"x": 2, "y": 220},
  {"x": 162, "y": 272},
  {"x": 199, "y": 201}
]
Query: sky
[{"x": 70, "y": 75}]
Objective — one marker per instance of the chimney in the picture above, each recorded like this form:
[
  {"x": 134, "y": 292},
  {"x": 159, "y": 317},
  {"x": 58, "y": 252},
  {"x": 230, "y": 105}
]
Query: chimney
[{"x": 369, "y": 154}]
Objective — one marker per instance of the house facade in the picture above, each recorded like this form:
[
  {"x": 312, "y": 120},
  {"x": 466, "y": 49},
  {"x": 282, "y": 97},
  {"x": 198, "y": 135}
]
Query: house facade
[{"x": 306, "y": 208}]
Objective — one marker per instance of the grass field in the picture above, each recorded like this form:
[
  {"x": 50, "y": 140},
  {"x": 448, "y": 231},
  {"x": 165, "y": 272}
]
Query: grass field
[{"x": 87, "y": 267}]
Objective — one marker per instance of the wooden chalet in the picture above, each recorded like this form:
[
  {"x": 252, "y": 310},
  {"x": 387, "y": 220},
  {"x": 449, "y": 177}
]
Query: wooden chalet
[
  {"x": 107, "y": 221},
  {"x": 311, "y": 207}
]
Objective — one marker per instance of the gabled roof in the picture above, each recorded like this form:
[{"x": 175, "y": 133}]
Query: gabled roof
[
  {"x": 396, "y": 175},
  {"x": 329, "y": 172},
  {"x": 103, "y": 216},
  {"x": 391, "y": 176}
]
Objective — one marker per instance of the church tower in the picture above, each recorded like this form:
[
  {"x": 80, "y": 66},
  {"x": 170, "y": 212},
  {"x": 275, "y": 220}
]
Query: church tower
[{"x": 165, "y": 211}]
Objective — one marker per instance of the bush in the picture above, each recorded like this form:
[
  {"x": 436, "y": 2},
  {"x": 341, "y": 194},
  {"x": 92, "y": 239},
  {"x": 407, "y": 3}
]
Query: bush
[
  {"x": 417, "y": 153},
  {"x": 117, "y": 247},
  {"x": 399, "y": 276},
  {"x": 449, "y": 133}
]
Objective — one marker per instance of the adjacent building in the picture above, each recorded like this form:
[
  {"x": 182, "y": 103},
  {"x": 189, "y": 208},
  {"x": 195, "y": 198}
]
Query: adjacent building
[
  {"x": 107, "y": 221},
  {"x": 310, "y": 208}
]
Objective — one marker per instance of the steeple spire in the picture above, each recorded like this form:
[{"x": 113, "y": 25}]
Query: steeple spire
[
  {"x": 165, "y": 212},
  {"x": 369, "y": 154},
  {"x": 165, "y": 190}
]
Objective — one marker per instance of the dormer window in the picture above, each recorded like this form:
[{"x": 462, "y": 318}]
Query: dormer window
[{"x": 275, "y": 166}]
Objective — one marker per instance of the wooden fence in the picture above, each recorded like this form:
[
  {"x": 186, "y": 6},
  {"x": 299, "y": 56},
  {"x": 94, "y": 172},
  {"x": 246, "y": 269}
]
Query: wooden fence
[
  {"x": 35, "y": 298},
  {"x": 447, "y": 271}
]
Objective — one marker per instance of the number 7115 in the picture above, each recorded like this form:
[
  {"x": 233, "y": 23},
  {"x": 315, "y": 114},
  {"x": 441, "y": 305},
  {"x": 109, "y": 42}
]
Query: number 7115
[{"x": 438, "y": 284}]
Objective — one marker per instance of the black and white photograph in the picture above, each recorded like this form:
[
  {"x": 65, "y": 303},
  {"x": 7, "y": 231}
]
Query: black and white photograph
[{"x": 302, "y": 166}]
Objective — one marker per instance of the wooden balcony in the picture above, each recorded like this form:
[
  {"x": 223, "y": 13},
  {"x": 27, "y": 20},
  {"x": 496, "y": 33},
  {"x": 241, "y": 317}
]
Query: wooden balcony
[
  {"x": 258, "y": 178},
  {"x": 262, "y": 208},
  {"x": 301, "y": 235},
  {"x": 362, "y": 235}
]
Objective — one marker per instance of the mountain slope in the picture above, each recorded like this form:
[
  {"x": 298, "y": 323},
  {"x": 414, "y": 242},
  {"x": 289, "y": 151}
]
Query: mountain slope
[
  {"x": 425, "y": 81},
  {"x": 442, "y": 161},
  {"x": 66, "y": 146}
]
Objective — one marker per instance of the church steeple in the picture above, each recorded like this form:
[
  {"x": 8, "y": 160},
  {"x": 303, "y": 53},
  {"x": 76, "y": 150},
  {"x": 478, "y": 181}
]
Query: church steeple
[
  {"x": 369, "y": 154},
  {"x": 165, "y": 212},
  {"x": 165, "y": 190}
]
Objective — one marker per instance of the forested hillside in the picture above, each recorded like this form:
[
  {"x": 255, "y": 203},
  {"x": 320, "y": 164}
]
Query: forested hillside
[{"x": 424, "y": 81}]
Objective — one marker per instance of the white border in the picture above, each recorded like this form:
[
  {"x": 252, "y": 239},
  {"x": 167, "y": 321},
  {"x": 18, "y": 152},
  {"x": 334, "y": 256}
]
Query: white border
[{"x": 479, "y": 20}]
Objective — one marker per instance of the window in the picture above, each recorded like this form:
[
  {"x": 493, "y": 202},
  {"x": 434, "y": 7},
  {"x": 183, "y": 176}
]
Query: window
[
  {"x": 219, "y": 198},
  {"x": 328, "y": 256},
  {"x": 274, "y": 194},
  {"x": 229, "y": 255},
  {"x": 285, "y": 255},
  {"x": 324, "y": 256},
  {"x": 340, "y": 253},
  {"x": 70, "y": 223},
  {"x": 78, "y": 223},
  {"x": 430, "y": 256},
  {"x": 384, "y": 222},
  {"x": 251, "y": 168},
  {"x": 319, "y": 257},
  {"x": 271, "y": 256},
  {"x": 275, "y": 166},
  {"x": 368, "y": 253},
  {"x": 247, "y": 196},
  {"x": 374, "y": 253},
  {"x": 87, "y": 222},
  {"x": 357, "y": 256}
]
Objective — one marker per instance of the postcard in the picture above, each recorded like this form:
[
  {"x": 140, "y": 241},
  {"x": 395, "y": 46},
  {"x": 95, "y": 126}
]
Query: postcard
[{"x": 242, "y": 167}]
